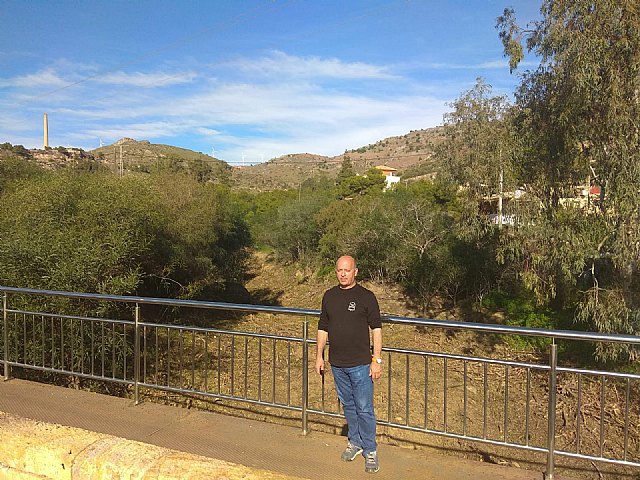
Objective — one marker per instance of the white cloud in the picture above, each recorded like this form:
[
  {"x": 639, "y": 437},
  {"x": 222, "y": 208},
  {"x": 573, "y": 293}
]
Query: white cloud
[
  {"x": 139, "y": 131},
  {"x": 139, "y": 79},
  {"x": 280, "y": 64},
  {"x": 44, "y": 78}
]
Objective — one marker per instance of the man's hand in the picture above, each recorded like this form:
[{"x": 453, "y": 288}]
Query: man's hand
[
  {"x": 375, "y": 371},
  {"x": 320, "y": 366}
]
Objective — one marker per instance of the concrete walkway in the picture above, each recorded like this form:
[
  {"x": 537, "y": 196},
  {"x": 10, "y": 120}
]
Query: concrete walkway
[{"x": 245, "y": 442}]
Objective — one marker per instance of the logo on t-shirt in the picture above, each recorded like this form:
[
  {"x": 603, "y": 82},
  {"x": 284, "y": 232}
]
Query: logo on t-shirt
[{"x": 352, "y": 306}]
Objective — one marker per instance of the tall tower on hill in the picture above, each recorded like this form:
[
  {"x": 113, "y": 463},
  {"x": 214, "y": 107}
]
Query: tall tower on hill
[{"x": 46, "y": 130}]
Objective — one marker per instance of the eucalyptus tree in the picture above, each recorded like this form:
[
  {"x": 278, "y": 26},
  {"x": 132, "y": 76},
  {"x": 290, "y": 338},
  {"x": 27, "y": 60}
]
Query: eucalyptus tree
[
  {"x": 579, "y": 122},
  {"x": 477, "y": 146}
]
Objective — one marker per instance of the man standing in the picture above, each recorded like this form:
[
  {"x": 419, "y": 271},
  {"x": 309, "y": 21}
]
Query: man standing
[{"x": 349, "y": 311}]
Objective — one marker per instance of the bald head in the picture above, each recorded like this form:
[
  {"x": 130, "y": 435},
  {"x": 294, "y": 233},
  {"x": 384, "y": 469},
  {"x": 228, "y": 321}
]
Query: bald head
[{"x": 346, "y": 271}]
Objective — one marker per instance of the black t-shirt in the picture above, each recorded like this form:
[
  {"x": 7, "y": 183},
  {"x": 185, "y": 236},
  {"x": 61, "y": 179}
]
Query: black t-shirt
[{"x": 347, "y": 315}]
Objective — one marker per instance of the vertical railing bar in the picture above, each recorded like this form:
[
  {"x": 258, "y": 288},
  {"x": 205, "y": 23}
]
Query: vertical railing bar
[
  {"x": 136, "y": 355},
  {"x": 484, "y": 401},
  {"x": 24, "y": 339},
  {"x": 113, "y": 350},
  {"x": 602, "y": 400},
  {"x": 157, "y": 352},
  {"x": 444, "y": 394},
  {"x": 246, "y": 367},
  {"x": 145, "y": 349},
  {"x": 83, "y": 326},
  {"x": 527, "y": 408},
  {"x": 82, "y": 346},
  {"x": 273, "y": 373},
  {"x": 206, "y": 361},
  {"x": 232, "y": 372},
  {"x": 219, "y": 364},
  {"x": 259, "y": 368},
  {"x": 102, "y": 350},
  {"x": 465, "y": 400},
  {"x": 551, "y": 411},
  {"x": 389, "y": 397},
  {"x": 53, "y": 346},
  {"x": 626, "y": 419},
  {"x": 180, "y": 357},
  {"x": 289, "y": 374},
  {"x": 407, "y": 392},
  {"x": 426, "y": 392},
  {"x": 17, "y": 347},
  {"x": 74, "y": 347},
  {"x": 33, "y": 339},
  {"x": 579, "y": 414},
  {"x": 71, "y": 345},
  {"x": 93, "y": 349},
  {"x": 30, "y": 360},
  {"x": 506, "y": 402},
  {"x": 193, "y": 359},
  {"x": 5, "y": 336},
  {"x": 305, "y": 375},
  {"x": 43, "y": 339},
  {"x": 168, "y": 357},
  {"x": 16, "y": 337},
  {"x": 124, "y": 351}
]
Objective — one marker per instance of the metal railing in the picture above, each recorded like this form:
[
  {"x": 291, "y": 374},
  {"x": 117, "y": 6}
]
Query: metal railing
[{"x": 543, "y": 408}]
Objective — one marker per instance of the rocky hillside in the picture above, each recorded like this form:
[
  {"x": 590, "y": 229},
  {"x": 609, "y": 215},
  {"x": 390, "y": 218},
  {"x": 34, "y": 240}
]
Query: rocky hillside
[
  {"x": 139, "y": 153},
  {"x": 411, "y": 154}
]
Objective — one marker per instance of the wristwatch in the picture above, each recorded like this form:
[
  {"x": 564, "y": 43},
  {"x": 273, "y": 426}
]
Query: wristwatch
[{"x": 378, "y": 360}]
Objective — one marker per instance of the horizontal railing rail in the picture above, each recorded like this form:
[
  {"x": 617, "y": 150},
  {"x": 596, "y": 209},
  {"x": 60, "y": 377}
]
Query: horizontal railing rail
[{"x": 495, "y": 401}]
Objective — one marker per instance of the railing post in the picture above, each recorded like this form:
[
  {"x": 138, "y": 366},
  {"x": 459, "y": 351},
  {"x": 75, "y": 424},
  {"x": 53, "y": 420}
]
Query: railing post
[
  {"x": 136, "y": 354},
  {"x": 5, "y": 337},
  {"x": 551, "y": 430},
  {"x": 305, "y": 375}
]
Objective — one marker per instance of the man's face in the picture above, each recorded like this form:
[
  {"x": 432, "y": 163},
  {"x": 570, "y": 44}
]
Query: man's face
[{"x": 346, "y": 272}]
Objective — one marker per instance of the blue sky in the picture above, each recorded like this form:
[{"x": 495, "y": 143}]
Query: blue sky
[{"x": 246, "y": 80}]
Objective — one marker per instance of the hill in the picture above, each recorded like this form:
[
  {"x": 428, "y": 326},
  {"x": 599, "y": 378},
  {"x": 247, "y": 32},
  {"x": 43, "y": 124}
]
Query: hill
[
  {"x": 144, "y": 152},
  {"x": 411, "y": 154},
  {"x": 143, "y": 156}
]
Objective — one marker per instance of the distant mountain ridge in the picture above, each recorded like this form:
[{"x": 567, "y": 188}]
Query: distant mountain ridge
[{"x": 411, "y": 154}]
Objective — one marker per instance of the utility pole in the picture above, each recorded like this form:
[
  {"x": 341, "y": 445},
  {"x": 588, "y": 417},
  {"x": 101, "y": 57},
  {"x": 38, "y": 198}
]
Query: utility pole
[
  {"x": 500, "y": 198},
  {"x": 121, "y": 162},
  {"x": 501, "y": 190}
]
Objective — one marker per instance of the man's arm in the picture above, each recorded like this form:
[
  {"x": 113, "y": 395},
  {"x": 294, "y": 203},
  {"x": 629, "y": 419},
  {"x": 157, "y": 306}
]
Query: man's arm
[
  {"x": 321, "y": 341},
  {"x": 376, "y": 368}
]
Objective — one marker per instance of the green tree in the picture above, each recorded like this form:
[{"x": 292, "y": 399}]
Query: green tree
[
  {"x": 368, "y": 184},
  {"x": 15, "y": 168},
  {"x": 262, "y": 210},
  {"x": 202, "y": 242},
  {"x": 76, "y": 233},
  {"x": 346, "y": 170},
  {"x": 157, "y": 235},
  {"x": 579, "y": 121}
]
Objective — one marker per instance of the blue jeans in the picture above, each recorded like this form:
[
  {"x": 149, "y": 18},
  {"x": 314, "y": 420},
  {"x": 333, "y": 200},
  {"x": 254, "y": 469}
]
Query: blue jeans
[{"x": 355, "y": 391}]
